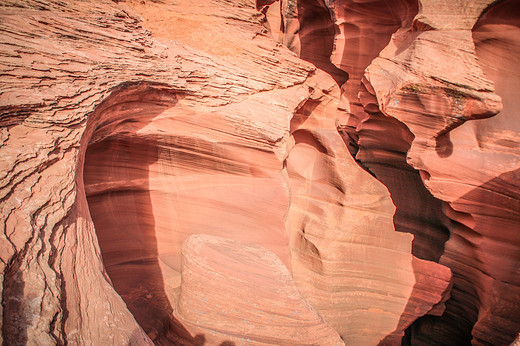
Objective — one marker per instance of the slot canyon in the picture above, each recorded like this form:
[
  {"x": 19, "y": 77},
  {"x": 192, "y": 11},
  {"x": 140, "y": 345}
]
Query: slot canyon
[{"x": 260, "y": 172}]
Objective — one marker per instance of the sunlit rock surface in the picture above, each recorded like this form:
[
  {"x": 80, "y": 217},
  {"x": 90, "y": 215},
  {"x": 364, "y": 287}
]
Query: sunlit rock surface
[
  {"x": 347, "y": 259},
  {"x": 255, "y": 290},
  {"x": 436, "y": 110},
  {"x": 234, "y": 172}
]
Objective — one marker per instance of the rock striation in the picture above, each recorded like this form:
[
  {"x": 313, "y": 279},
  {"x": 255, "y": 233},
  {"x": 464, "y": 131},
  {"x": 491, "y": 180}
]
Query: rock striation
[
  {"x": 255, "y": 290},
  {"x": 171, "y": 174},
  {"x": 342, "y": 237},
  {"x": 81, "y": 84},
  {"x": 431, "y": 116}
]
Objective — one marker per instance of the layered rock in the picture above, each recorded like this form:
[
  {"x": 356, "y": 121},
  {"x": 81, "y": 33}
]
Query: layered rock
[
  {"x": 155, "y": 175},
  {"x": 433, "y": 76},
  {"x": 157, "y": 156},
  {"x": 307, "y": 29},
  {"x": 82, "y": 78},
  {"x": 255, "y": 290},
  {"x": 363, "y": 30},
  {"x": 343, "y": 239}
]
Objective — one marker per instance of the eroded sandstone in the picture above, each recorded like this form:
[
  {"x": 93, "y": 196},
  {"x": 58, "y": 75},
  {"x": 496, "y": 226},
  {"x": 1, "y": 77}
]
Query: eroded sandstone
[
  {"x": 423, "y": 89},
  {"x": 173, "y": 175},
  {"x": 255, "y": 290}
]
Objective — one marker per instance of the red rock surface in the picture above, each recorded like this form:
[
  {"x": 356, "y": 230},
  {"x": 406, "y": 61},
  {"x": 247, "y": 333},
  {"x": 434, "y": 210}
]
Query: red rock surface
[
  {"x": 450, "y": 64},
  {"x": 341, "y": 247},
  {"x": 87, "y": 79},
  {"x": 173, "y": 175}
]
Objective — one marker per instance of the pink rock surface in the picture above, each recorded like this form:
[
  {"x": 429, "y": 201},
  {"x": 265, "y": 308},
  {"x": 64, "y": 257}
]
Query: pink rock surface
[
  {"x": 449, "y": 65},
  {"x": 364, "y": 28},
  {"x": 172, "y": 175},
  {"x": 347, "y": 259},
  {"x": 257, "y": 301},
  {"x": 194, "y": 174},
  {"x": 88, "y": 79},
  {"x": 307, "y": 29}
]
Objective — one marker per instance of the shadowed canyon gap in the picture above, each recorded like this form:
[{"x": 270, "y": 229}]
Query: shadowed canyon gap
[{"x": 260, "y": 172}]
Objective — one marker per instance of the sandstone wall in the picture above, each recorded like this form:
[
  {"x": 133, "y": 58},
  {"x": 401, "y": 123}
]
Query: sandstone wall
[{"x": 234, "y": 172}]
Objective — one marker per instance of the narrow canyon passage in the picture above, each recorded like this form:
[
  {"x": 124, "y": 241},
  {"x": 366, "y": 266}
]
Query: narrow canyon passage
[
  {"x": 319, "y": 172},
  {"x": 450, "y": 233}
]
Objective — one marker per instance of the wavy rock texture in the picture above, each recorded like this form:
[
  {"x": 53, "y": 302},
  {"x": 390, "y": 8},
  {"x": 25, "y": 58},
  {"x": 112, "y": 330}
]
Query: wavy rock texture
[
  {"x": 345, "y": 256},
  {"x": 173, "y": 175},
  {"x": 308, "y": 30},
  {"x": 255, "y": 289},
  {"x": 86, "y": 79},
  {"x": 134, "y": 140},
  {"x": 364, "y": 28},
  {"x": 445, "y": 64},
  {"x": 212, "y": 171}
]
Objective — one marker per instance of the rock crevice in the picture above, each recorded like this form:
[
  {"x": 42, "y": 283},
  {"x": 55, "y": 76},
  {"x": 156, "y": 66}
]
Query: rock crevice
[{"x": 171, "y": 174}]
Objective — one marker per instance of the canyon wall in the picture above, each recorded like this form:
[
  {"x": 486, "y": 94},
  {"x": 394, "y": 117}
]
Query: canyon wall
[
  {"x": 430, "y": 109},
  {"x": 241, "y": 172}
]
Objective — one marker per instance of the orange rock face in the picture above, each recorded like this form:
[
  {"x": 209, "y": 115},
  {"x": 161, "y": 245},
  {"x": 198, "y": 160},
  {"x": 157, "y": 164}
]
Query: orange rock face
[
  {"x": 254, "y": 288},
  {"x": 442, "y": 67},
  {"x": 337, "y": 238},
  {"x": 241, "y": 172}
]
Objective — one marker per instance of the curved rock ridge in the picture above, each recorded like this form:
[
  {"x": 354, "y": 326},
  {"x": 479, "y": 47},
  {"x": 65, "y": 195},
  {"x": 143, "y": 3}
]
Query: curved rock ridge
[
  {"x": 257, "y": 301},
  {"x": 155, "y": 174},
  {"x": 172, "y": 175},
  {"x": 119, "y": 143},
  {"x": 307, "y": 28},
  {"x": 363, "y": 29},
  {"x": 347, "y": 259},
  {"x": 366, "y": 28},
  {"x": 476, "y": 173},
  {"x": 414, "y": 104},
  {"x": 69, "y": 67}
]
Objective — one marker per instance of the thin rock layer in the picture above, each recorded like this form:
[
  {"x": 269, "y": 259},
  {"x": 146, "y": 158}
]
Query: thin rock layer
[
  {"x": 436, "y": 110},
  {"x": 170, "y": 174}
]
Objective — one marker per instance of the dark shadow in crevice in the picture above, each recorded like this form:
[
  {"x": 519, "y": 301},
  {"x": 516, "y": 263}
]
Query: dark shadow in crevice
[
  {"x": 442, "y": 330},
  {"x": 116, "y": 175},
  {"x": 14, "y": 321},
  {"x": 418, "y": 301},
  {"x": 443, "y": 145},
  {"x": 495, "y": 210},
  {"x": 468, "y": 319},
  {"x": 454, "y": 326},
  {"x": 351, "y": 143},
  {"x": 317, "y": 32},
  {"x": 382, "y": 148}
]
